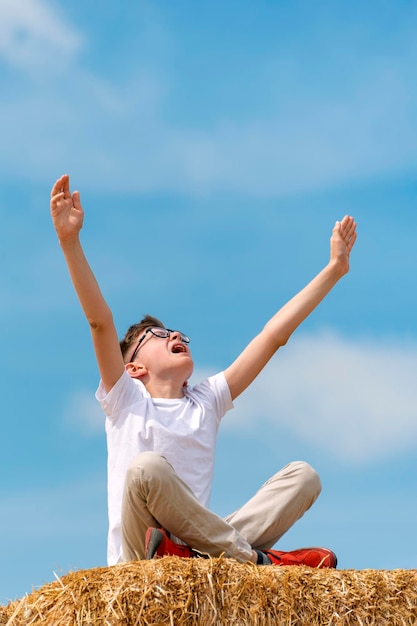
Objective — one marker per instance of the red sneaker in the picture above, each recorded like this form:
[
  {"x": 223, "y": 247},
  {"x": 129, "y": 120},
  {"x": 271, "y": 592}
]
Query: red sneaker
[
  {"x": 313, "y": 557},
  {"x": 157, "y": 543}
]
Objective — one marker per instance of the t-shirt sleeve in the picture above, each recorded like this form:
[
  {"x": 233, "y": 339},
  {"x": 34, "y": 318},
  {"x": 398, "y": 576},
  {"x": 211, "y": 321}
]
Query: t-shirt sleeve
[
  {"x": 124, "y": 393},
  {"x": 214, "y": 391},
  {"x": 224, "y": 398}
]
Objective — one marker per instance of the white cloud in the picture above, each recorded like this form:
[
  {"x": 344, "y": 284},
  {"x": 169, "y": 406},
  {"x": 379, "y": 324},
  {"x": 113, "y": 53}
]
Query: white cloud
[
  {"x": 112, "y": 132},
  {"x": 51, "y": 529},
  {"x": 67, "y": 509},
  {"x": 122, "y": 142},
  {"x": 355, "y": 400},
  {"x": 34, "y": 37},
  {"x": 83, "y": 413}
]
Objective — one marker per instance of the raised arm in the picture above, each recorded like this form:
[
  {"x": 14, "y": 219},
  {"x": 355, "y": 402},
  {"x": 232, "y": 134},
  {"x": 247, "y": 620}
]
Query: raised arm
[
  {"x": 67, "y": 216},
  {"x": 280, "y": 327}
]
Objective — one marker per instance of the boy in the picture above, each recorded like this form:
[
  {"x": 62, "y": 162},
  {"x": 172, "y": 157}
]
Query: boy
[{"x": 161, "y": 433}]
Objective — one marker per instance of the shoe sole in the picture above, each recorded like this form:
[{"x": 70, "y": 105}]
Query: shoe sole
[{"x": 153, "y": 541}]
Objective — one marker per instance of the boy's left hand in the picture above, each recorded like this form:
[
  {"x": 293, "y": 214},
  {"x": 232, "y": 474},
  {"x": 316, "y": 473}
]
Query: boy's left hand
[{"x": 341, "y": 243}]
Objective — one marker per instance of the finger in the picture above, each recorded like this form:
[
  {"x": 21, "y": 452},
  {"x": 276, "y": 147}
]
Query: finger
[
  {"x": 351, "y": 242},
  {"x": 76, "y": 199},
  {"x": 336, "y": 227},
  {"x": 65, "y": 186},
  {"x": 346, "y": 222},
  {"x": 57, "y": 187},
  {"x": 343, "y": 225},
  {"x": 351, "y": 229},
  {"x": 348, "y": 226},
  {"x": 55, "y": 200}
]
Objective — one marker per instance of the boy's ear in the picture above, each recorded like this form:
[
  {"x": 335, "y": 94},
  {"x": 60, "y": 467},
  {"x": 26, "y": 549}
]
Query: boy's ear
[{"x": 136, "y": 370}]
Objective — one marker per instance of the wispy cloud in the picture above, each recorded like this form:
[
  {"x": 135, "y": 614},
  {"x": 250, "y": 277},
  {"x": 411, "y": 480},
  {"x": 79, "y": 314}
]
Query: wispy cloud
[
  {"x": 70, "y": 508},
  {"x": 130, "y": 143},
  {"x": 51, "y": 529},
  {"x": 83, "y": 413},
  {"x": 354, "y": 399},
  {"x": 34, "y": 37}
]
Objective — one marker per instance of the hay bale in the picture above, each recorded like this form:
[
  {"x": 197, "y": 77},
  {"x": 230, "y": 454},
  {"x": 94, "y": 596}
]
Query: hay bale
[{"x": 209, "y": 592}]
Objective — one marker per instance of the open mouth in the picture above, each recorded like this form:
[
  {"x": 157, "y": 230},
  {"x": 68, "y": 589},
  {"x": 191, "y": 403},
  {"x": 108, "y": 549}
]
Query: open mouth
[{"x": 178, "y": 347}]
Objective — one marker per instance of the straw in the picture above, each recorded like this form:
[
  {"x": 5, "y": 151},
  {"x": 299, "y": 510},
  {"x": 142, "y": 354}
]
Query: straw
[{"x": 215, "y": 591}]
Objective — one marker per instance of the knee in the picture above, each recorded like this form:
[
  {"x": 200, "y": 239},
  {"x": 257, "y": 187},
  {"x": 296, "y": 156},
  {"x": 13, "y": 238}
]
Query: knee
[
  {"x": 309, "y": 479},
  {"x": 146, "y": 466}
]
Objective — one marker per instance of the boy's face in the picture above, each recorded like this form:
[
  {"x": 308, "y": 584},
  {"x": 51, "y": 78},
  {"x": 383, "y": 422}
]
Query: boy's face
[{"x": 164, "y": 356}]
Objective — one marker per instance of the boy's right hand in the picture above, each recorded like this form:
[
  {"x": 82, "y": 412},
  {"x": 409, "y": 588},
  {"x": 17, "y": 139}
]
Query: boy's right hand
[{"x": 66, "y": 210}]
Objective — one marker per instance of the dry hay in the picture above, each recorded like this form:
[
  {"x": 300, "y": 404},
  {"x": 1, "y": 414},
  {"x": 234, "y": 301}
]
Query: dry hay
[{"x": 186, "y": 592}]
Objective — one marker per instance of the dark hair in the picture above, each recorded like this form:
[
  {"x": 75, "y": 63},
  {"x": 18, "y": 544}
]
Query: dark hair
[{"x": 133, "y": 332}]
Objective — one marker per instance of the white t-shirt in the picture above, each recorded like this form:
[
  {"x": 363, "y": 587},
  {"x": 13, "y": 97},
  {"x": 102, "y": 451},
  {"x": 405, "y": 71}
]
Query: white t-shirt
[{"x": 183, "y": 430}]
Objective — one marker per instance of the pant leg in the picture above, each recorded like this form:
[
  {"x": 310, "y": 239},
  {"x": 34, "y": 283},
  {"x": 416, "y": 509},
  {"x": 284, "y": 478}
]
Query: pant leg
[
  {"x": 278, "y": 504},
  {"x": 154, "y": 495}
]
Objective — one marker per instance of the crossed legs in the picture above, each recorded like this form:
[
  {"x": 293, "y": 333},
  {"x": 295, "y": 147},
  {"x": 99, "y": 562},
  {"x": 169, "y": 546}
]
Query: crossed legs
[{"x": 154, "y": 495}]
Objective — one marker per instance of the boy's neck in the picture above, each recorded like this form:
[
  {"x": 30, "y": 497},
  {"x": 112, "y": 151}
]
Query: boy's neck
[
  {"x": 165, "y": 389},
  {"x": 166, "y": 383}
]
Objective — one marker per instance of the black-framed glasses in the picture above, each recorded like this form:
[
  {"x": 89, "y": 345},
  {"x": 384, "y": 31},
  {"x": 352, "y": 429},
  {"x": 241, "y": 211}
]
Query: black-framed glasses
[{"x": 162, "y": 333}]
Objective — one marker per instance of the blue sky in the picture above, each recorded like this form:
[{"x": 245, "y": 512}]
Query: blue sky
[{"x": 214, "y": 145}]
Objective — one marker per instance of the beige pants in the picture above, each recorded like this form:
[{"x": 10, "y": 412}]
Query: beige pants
[{"x": 155, "y": 496}]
